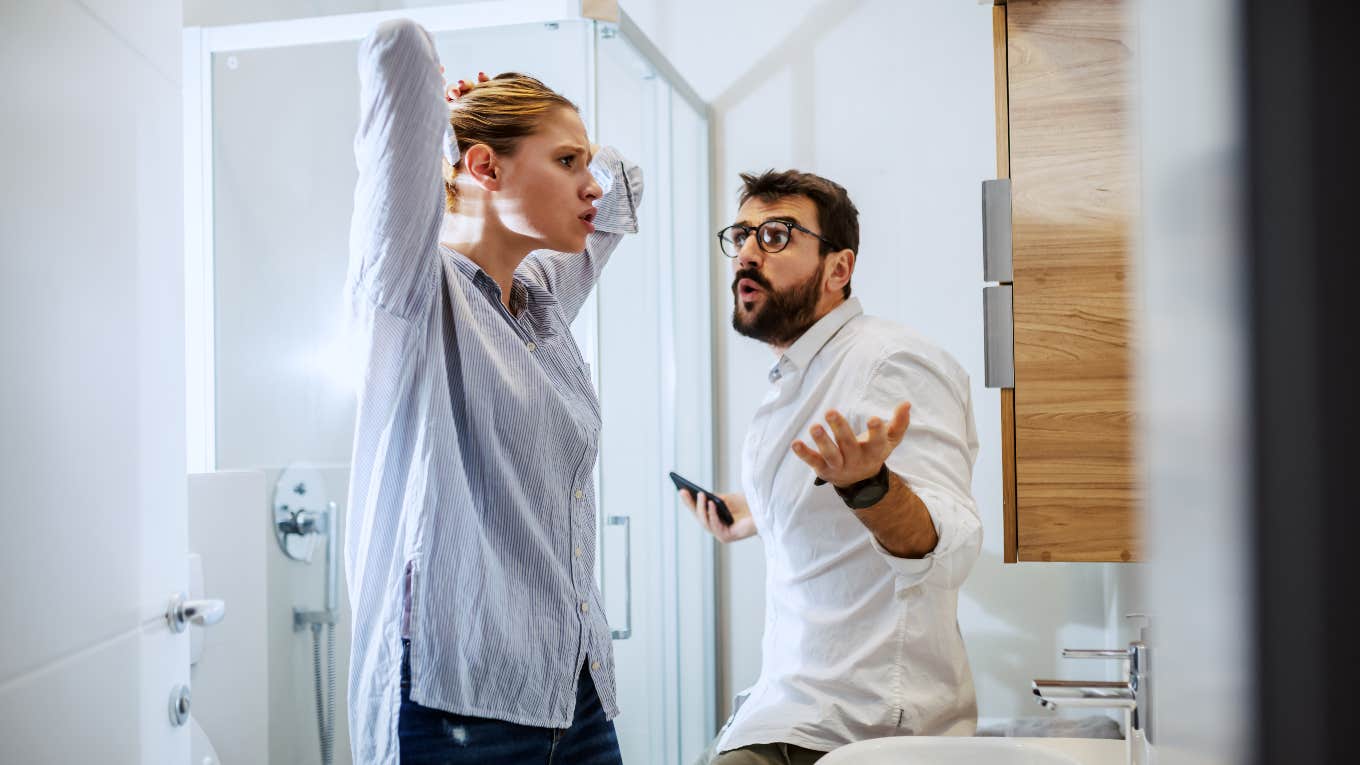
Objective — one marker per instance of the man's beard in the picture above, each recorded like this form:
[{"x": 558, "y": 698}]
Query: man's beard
[{"x": 785, "y": 315}]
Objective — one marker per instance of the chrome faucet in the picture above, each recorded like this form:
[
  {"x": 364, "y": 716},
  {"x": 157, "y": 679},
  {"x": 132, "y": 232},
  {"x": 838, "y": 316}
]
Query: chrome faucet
[{"x": 1132, "y": 694}]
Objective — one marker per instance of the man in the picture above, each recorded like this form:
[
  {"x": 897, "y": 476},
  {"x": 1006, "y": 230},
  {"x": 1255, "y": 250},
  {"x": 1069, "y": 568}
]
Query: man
[{"x": 868, "y": 521}]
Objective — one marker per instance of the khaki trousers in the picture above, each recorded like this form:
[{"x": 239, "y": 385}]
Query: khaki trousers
[{"x": 769, "y": 754}]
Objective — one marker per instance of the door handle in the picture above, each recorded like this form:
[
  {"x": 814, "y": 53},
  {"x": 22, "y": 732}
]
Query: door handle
[
  {"x": 625, "y": 522},
  {"x": 183, "y": 612}
]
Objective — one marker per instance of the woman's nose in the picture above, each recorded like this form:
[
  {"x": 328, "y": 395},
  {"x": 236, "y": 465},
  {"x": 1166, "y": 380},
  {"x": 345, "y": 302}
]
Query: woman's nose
[{"x": 593, "y": 189}]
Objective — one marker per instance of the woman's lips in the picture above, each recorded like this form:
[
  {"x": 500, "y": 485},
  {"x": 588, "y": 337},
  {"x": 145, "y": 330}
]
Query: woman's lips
[{"x": 588, "y": 220}]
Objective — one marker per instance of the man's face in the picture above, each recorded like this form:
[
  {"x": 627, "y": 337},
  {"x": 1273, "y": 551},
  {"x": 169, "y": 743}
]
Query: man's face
[{"x": 777, "y": 296}]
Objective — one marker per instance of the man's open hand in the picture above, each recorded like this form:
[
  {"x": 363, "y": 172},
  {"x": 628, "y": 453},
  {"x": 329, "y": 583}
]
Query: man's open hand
[{"x": 847, "y": 458}]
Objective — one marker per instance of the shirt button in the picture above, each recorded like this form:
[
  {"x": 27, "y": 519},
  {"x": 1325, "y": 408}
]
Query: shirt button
[
  {"x": 531, "y": 347},
  {"x": 580, "y": 494},
  {"x": 595, "y": 665},
  {"x": 578, "y": 552},
  {"x": 585, "y": 608}
]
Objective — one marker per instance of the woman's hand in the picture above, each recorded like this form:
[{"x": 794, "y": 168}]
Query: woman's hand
[
  {"x": 458, "y": 89},
  {"x": 743, "y": 525}
]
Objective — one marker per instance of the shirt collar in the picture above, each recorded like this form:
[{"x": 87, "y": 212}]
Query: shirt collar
[
  {"x": 525, "y": 294},
  {"x": 805, "y": 348}
]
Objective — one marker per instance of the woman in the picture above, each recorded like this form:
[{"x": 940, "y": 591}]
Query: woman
[{"x": 479, "y": 633}]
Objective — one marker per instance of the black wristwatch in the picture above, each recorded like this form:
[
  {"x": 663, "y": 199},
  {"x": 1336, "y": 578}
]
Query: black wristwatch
[{"x": 866, "y": 493}]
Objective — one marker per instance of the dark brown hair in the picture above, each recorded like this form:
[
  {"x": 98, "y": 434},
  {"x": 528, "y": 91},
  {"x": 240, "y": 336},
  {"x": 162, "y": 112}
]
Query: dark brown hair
[
  {"x": 498, "y": 113},
  {"x": 837, "y": 216}
]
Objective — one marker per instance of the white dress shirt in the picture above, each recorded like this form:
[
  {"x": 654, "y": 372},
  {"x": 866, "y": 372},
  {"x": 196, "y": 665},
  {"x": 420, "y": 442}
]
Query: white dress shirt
[{"x": 859, "y": 644}]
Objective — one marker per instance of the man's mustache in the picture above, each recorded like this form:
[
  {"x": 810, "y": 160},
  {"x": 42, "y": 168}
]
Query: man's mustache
[{"x": 753, "y": 275}]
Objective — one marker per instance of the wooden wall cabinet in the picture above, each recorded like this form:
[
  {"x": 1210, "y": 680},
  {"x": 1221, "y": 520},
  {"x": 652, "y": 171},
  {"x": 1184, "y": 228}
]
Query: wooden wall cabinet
[{"x": 1064, "y": 74}]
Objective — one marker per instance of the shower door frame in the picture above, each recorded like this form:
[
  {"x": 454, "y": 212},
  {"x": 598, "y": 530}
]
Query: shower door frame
[{"x": 199, "y": 46}]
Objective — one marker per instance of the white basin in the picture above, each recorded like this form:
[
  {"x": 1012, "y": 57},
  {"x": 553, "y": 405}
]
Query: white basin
[{"x": 982, "y": 750}]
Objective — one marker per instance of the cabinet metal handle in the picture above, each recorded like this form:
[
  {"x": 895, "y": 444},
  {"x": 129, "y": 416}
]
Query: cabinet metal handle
[
  {"x": 996, "y": 230},
  {"x": 998, "y": 327},
  {"x": 626, "y": 523}
]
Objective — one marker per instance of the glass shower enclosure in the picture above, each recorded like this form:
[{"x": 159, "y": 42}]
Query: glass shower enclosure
[{"x": 270, "y": 116}]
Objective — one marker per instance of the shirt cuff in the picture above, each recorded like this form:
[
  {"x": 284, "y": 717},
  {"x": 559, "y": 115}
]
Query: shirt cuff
[
  {"x": 907, "y": 572},
  {"x": 621, "y": 182},
  {"x": 958, "y": 533}
]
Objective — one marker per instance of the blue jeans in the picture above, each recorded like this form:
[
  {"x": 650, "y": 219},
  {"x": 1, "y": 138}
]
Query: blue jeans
[{"x": 434, "y": 737}]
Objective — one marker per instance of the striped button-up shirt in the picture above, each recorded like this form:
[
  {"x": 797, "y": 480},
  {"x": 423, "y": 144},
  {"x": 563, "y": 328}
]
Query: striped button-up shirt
[{"x": 471, "y": 501}]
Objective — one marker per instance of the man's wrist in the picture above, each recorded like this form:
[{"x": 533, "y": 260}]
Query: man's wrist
[{"x": 866, "y": 493}]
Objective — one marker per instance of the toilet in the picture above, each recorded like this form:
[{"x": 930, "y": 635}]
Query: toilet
[{"x": 201, "y": 750}]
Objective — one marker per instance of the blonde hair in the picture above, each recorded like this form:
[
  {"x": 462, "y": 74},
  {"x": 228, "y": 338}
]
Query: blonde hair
[{"x": 499, "y": 113}]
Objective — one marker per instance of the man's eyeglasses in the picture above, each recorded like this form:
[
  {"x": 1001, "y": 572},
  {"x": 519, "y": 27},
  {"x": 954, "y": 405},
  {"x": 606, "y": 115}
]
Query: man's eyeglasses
[{"x": 771, "y": 236}]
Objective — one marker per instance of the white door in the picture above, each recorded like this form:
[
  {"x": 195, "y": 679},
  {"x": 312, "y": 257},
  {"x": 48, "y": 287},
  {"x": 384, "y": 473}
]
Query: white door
[{"x": 92, "y": 482}]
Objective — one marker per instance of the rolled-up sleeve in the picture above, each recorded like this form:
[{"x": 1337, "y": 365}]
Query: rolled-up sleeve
[{"x": 935, "y": 459}]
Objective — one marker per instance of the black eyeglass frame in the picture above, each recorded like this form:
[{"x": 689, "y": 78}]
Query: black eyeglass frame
[{"x": 755, "y": 230}]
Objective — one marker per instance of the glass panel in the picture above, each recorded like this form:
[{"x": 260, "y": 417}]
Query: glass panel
[
  {"x": 283, "y": 185},
  {"x": 632, "y": 364},
  {"x": 693, "y": 258}
]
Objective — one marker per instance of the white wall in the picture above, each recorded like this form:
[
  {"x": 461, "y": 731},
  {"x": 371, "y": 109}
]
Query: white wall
[
  {"x": 231, "y": 679},
  {"x": 298, "y": 584},
  {"x": 893, "y": 100}
]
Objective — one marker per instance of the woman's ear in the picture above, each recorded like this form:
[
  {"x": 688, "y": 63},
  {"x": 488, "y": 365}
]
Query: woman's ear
[{"x": 482, "y": 167}]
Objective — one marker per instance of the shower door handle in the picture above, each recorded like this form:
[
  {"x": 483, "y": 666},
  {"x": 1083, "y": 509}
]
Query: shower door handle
[
  {"x": 625, "y": 522},
  {"x": 203, "y": 613}
]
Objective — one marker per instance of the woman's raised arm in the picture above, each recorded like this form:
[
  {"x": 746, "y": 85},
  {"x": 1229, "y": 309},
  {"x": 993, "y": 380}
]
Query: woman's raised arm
[{"x": 398, "y": 199}]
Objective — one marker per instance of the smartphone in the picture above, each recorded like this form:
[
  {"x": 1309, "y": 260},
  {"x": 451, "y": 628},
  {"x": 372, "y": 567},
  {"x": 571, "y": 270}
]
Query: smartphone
[{"x": 694, "y": 489}]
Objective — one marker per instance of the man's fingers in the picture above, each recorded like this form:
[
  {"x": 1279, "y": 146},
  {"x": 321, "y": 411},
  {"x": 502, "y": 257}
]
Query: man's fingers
[
  {"x": 830, "y": 452},
  {"x": 900, "y": 421},
  {"x": 877, "y": 437},
  {"x": 845, "y": 437},
  {"x": 710, "y": 519},
  {"x": 706, "y": 506},
  {"x": 812, "y": 458}
]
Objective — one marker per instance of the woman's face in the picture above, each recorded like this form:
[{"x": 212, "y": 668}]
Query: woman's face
[{"x": 547, "y": 192}]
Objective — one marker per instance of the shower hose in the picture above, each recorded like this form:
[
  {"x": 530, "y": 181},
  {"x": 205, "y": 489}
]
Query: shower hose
[{"x": 325, "y": 712}]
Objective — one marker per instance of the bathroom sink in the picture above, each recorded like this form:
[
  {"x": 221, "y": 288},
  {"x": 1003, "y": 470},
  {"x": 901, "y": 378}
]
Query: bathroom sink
[{"x": 958, "y": 750}]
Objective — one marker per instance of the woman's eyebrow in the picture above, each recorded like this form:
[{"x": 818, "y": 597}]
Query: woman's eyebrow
[{"x": 573, "y": 147}]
